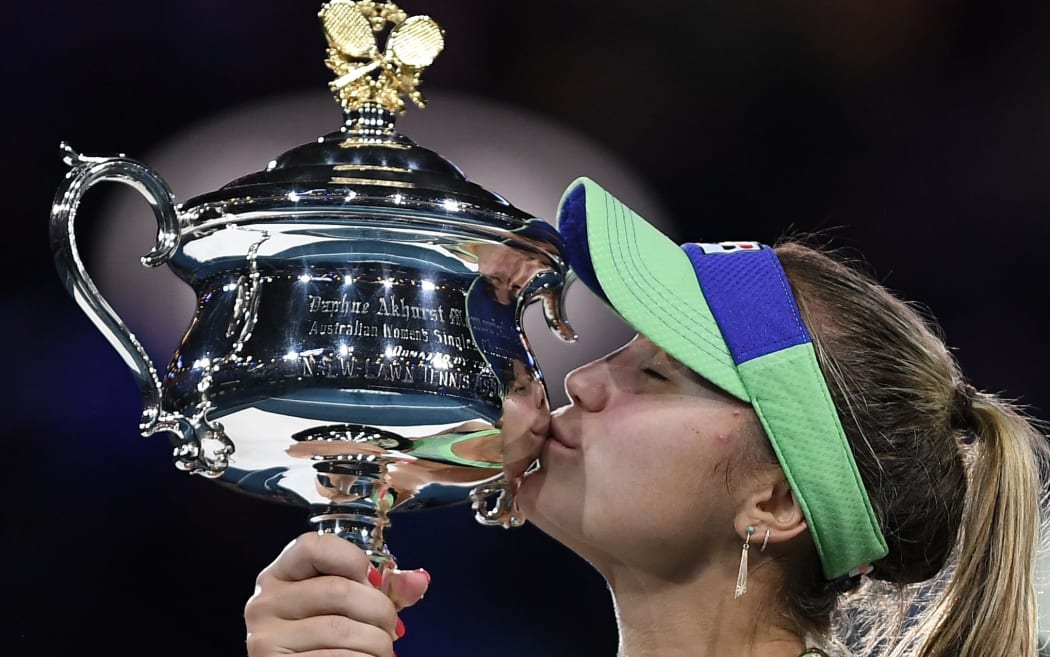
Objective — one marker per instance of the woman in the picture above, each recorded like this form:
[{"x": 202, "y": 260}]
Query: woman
[{"x": 820, "y": 462}]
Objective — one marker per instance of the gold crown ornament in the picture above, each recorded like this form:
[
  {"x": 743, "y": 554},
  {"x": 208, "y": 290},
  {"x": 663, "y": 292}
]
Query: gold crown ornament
[{"x": 366, "y": 74}]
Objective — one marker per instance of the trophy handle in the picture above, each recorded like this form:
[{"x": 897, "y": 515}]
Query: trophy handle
[
  {"x": 85, "y": 173},
  {"x": 494, "y": 504}
]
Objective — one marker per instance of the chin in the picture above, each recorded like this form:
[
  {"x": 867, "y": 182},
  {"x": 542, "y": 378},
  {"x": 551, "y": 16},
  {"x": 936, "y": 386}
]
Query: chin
[
  {"x": 535, "y": 499},
  {"x": 547, "y": 509},
  {"x": 529, "y": 490}
]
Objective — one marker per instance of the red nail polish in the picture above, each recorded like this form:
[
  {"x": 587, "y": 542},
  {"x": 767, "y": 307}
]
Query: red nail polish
[
  {"x": 375, "y": 578},
  {"x": 399, "y": 629}
]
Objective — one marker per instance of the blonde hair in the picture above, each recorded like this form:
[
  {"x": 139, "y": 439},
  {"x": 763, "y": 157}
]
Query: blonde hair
[{"x": 956, "y": 478}]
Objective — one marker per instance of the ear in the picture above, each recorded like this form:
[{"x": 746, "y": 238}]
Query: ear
[{"x": 771, "y": 505}]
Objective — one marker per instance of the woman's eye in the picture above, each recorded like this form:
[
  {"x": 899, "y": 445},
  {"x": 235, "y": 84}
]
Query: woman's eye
[{"x": 648, "y": 371}]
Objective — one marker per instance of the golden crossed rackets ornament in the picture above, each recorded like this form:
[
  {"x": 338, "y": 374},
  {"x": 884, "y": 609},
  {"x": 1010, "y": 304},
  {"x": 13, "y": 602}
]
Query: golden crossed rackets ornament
[{"x": 367, "y": 75}]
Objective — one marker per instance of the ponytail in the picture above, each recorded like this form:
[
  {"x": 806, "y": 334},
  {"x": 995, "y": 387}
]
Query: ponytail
[
  {"x": 956, "y": 478},
  {"x": 988, "y": 608}
]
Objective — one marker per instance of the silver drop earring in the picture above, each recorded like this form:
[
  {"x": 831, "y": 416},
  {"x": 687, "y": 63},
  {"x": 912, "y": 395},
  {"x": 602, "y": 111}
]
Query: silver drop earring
[
  {"x": 741, "y": 575},
  {"x": 765, "y": 542}
]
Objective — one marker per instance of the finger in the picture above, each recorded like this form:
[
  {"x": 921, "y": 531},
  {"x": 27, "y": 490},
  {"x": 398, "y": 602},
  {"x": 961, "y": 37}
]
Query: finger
[
  {"x": 323, "y": 596},
  {"x": 320, "y": 633},
  {"x": 406, "y": 587},
  {"x": 312, "y": 554},
  {"x": 325, "y": 652},
  {"x": 338, "y": 653}
]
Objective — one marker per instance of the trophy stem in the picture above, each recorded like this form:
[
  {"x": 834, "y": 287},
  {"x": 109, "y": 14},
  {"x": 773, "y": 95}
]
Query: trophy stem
[
  {"x": 362, "y": 497},
  {"x": 370, "y": 121},
  {"x": 362, "y": 527}
]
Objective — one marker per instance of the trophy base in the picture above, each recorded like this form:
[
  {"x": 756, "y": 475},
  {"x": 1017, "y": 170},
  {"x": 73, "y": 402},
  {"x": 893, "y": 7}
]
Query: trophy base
[{"x": 350, "y": 477}]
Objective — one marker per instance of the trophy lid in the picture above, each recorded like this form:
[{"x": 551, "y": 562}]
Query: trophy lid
[{"x": 366, "y": 165}]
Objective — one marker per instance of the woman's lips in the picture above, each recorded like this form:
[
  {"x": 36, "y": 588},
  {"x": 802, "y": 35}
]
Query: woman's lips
[{"x": 519, "y": 454}]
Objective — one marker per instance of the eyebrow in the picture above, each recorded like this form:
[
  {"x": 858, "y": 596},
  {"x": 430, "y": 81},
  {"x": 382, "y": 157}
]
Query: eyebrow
[
  {"x": 699, "y": 380},
  {"x": 689, "y": 374},
  {"x": 659, "y": 356}
]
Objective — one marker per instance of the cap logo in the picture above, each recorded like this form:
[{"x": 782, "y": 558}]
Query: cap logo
[{"x": 710, "y": 248}]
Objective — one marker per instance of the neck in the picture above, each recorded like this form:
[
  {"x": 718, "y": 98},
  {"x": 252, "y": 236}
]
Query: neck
[{"x": 697, "y": 616}]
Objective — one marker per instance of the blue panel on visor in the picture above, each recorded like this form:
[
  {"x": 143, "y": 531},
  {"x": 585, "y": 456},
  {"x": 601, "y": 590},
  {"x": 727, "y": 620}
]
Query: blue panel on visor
[
  {"x": 572, "y": 224},
  {"x": 750, "y": 298}
]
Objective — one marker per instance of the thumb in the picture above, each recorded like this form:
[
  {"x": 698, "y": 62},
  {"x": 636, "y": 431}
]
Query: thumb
[{"x": 406, "y": 587}]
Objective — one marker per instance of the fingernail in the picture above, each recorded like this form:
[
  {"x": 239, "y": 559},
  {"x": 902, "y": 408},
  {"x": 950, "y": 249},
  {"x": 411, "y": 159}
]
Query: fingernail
[
  {"x": 421, "y": 570},
  {"x": 375, "y": 578},
  {"x": 399, "y": 629}
]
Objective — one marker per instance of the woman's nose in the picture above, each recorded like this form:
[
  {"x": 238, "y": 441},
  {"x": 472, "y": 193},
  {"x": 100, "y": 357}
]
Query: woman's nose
[{"x": 587, "y": 386}]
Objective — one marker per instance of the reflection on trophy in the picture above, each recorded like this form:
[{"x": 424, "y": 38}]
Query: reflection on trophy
[{"x": 358, "y": 332}]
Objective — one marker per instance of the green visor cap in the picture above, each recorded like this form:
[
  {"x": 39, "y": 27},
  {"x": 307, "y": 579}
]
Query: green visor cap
[{"x": 726, "y": 311}]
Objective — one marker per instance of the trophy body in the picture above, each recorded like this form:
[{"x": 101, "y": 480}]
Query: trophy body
[{"x": 358, "y": 328}]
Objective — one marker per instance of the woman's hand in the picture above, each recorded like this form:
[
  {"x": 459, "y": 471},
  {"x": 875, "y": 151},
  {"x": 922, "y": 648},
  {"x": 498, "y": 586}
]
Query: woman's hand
[{"x": 322, "y": 597}]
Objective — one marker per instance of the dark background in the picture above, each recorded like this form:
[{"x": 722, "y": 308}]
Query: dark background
[{"x": 917, "y": 132}]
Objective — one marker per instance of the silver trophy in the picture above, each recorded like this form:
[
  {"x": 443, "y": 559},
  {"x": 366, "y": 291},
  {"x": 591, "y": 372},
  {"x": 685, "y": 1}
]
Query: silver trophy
[{"x": 358, "y": 329}]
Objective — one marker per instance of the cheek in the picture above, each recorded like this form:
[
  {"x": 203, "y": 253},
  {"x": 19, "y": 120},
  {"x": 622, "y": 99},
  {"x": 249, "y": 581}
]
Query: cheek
[
  {"x": 721, "y": 439},
  {"x": 682, "y": 448},
  {"x": 681, "y": 451}
]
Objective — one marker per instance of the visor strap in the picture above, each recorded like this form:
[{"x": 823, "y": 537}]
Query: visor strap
[{"x": 751, "y": 300}]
